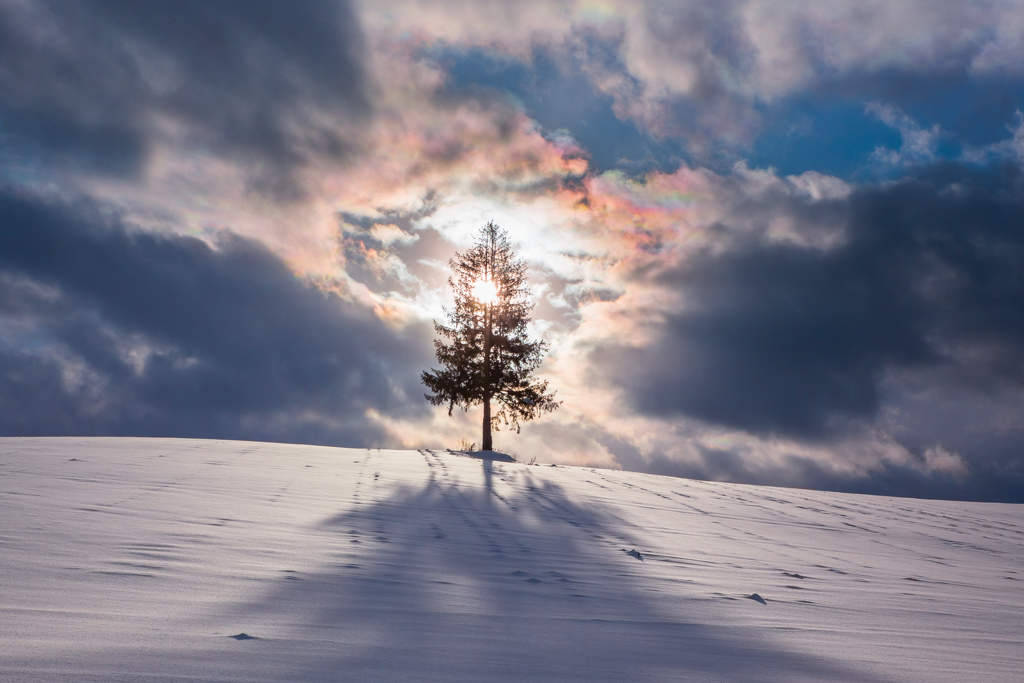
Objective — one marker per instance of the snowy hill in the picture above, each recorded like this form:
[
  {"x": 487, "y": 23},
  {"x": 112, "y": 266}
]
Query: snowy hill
[{"x": 139, "y": 559}]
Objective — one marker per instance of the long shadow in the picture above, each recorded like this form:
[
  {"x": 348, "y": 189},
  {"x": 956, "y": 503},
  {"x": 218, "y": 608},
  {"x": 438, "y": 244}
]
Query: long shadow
[{"x": 459, "y": 581}]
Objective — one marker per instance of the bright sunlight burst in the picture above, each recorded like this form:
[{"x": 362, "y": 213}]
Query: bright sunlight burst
[{"x": 485, "y": 292}]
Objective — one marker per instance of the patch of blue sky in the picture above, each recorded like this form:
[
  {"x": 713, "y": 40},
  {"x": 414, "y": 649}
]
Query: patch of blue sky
[
  {"x": 835, "y": 138},
  {"x": 836, "y": 130},
  {"x": 975, "y": 110},
  {"x": 562, "y": 99}
]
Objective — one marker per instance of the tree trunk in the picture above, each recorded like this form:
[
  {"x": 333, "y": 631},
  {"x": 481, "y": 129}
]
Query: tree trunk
[
  {"x": 487, "y": 426},
  {"x": 485, "y": 444}
]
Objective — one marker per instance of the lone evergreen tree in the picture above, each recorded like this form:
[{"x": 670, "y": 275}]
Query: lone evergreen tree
[{"x": 485, "y": 352}]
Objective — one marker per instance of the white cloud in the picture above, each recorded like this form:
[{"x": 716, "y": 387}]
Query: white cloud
[
  {"x": 938, "y": 459},
  {"x": 919, "y": 145}
]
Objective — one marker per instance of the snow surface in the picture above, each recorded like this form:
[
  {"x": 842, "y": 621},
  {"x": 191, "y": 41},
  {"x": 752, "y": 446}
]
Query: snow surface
[{"x": 167, "y": 559}]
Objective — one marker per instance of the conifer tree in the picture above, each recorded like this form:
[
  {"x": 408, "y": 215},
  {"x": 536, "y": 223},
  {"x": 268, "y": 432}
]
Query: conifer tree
[{"x": 485, "y": 353}]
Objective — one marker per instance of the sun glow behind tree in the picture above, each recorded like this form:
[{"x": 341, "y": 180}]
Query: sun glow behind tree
[{"x": 485, "y": 292}]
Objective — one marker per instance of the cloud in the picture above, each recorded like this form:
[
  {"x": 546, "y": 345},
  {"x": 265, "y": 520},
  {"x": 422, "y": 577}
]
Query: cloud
[
  {"x": 785, "y": 339},
  {"x": 939, "y": 459},
  {"x": 95, "y": 85},
  {"x": 110, "y": 330},
  {"x": 919, "y": 145},
  {"x": 886, "y": 478}
]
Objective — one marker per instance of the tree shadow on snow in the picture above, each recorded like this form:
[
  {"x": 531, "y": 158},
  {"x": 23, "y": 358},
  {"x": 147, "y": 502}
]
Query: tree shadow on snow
[{"x": 472, "y": 579}]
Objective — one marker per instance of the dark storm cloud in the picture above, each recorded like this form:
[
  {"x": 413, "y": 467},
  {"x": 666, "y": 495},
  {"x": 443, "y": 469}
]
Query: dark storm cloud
[
  {"x": 85, "y": 84},
  {"x": 785, "y": 340},
  {"x": 114, "y": 331}
]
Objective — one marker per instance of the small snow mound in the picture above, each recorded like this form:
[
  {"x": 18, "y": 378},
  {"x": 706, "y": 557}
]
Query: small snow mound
[
  {"x": 243, "y": 636},
  {"x": 757, "y": 598},
  {"x": 634, "y": 553}
]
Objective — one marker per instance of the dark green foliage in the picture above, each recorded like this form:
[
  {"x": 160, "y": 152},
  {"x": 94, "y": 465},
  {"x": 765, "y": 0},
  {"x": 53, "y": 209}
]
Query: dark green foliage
[{"x": 484, "y": 351}]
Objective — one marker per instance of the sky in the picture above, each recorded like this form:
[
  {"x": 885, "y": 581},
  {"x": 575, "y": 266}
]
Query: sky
[{"x": 773, "y": 243}]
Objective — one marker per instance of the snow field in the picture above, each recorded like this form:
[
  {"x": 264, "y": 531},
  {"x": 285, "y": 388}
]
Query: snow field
[{"x": 138, "y": 559}]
